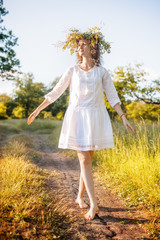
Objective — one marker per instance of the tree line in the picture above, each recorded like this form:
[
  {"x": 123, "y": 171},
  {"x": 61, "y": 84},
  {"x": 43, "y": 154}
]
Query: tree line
[{"x": 139, "y": 100}]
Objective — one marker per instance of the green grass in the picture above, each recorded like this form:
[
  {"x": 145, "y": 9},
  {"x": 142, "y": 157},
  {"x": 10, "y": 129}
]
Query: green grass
[
  {"x": 132, "y": 168},
  {"x": 38, "y": 126},
  {"x": 8, "y": 128}
]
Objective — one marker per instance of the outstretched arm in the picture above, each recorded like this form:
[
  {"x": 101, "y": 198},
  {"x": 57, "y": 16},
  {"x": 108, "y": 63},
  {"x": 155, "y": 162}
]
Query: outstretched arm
[
  {"x": 127, "y": 125},
  {"x": 53, "y": 95},
  {"x": 33, "y": 115}
]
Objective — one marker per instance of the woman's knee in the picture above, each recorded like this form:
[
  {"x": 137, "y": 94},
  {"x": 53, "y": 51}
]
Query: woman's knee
[{"x": 84, "y": 157}]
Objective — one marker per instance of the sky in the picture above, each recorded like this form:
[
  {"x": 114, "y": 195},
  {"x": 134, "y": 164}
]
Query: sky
[{"x": 131, "y": 26}]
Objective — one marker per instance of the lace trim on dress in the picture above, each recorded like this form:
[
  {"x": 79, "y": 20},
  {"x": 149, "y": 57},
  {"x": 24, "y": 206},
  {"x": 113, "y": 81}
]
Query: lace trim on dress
[
  {"x": 86, "y": 147},
  {"x": 101, "y": 143}
]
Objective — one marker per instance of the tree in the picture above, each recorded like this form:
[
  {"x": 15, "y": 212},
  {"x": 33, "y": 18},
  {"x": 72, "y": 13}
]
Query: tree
[
  {"x": 8, "y": 60},
  {"x": 139, "y": 110},
  {"x": 3, "y": 109},
  {"x": 29, "y": 94},
  {"x": 19, "y": 112},
  {"x": 132, "y": 86},
  {"x": 9, "y": 103},
  {"x": 150, "y": 94}
]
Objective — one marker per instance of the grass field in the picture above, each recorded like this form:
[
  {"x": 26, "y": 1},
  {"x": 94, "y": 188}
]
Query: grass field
[
  {"x": 131, "y": 169},
  {"x": 29, "y": 209}
]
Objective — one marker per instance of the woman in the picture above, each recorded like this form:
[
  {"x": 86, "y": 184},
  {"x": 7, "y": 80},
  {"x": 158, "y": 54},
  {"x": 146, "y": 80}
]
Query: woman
[{"x": 86, "y": 126}]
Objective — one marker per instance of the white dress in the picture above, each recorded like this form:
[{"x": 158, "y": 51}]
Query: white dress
[{"x": 86, "y": 124}]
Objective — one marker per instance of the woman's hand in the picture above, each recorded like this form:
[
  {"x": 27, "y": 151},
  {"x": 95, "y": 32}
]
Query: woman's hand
[
  {"x": 127, "y": 124},
  {"x": 32, "y": 116}
]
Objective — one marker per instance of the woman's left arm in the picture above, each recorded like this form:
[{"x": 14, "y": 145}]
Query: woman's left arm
[
  {"x": 127, "y": 125},
  {"x": 113, "y": 97}
]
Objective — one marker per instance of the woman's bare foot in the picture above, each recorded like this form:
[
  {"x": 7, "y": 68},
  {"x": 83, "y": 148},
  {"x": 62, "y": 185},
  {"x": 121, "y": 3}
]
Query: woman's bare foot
[
  {"x": 91, "y": 213},
  {"x": 81, "y": 203}
]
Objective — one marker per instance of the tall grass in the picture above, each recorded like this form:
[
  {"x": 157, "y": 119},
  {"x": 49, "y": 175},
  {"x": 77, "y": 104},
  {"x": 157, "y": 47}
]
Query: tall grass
[
  {"x": 132, "y": 168},
  {"x": 7, "y": 128},
  {"x": 38, "y": 126},
  {"x": 28, "y": 209}
]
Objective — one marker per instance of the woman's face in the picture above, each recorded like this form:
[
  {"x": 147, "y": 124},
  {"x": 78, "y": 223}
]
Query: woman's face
[{"x": 84, "y": 48}]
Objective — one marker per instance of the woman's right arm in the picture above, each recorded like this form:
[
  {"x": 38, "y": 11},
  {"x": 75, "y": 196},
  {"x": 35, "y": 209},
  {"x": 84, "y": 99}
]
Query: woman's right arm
[
  {"x": 53, "y": 95},
  {"x": 33, "y": 115}
]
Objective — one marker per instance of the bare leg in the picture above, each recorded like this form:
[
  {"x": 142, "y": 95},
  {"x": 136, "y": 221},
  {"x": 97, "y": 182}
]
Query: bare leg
[
  {"x": 79, "y": 199},
  {"x": 86, "y": 170}
]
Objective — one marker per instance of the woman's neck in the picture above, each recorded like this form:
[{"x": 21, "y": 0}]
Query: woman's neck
[{"x": 87, "y": 63}]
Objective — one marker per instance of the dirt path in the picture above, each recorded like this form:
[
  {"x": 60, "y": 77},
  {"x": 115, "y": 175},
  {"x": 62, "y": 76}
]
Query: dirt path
[{"x": 115, "y": 221}]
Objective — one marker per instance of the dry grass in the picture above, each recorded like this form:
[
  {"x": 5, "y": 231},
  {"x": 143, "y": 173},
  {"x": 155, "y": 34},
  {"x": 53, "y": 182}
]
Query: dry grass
[
  {"x": 132, "y": 168},
  {"x": 29, "y": 209}
]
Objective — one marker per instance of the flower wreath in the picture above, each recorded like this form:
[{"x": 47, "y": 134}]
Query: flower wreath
[{"x": 94, "y": 36}]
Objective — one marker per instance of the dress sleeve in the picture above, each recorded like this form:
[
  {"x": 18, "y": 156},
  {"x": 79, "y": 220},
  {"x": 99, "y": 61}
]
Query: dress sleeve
[
  {"x": 109, "y": 88},
  {"x": 60, "y": 87}
]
